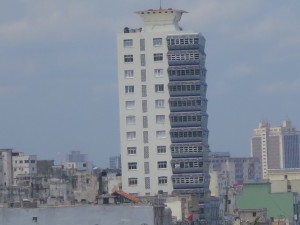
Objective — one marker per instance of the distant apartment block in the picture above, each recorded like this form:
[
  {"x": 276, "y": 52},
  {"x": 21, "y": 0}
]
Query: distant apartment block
[
  {"x": 115, "y": 162},
  {"x": 238, "y": 170},
  {"x": 78, "y": 161},
  {"x": 23, "y": 164},
  {"x": 6, "y": 169},
  {"x": 276, "y": 147}
]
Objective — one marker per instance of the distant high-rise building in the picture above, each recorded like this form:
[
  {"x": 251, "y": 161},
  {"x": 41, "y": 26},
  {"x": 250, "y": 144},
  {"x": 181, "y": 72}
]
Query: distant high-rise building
[
  {"x": 78, "y": 161},
  {"x": 237, "y": 170},
  {"x": 162, "y": 101},
  {"x": 115, "y": 162},
  {"x": 276, "y": 147}
]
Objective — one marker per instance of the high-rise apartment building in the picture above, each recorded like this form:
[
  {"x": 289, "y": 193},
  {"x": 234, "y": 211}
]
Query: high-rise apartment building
[
  {"x": 162, "y": 100},
  {"x": 276, "y": 147}
]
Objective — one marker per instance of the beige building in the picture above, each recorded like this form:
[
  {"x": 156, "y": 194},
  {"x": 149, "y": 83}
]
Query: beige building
[{"x": 23, "y": 164}]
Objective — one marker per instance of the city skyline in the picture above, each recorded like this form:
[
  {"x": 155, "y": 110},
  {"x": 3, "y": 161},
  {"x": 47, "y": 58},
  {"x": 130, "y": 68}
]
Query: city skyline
[{"x": 58, "y": 63}]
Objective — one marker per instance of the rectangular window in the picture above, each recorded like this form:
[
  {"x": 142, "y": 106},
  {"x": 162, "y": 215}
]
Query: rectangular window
[
  {"x": 159, "y": 103},
  {"x": 26, "y": 161},
  {"x": 144, "y": 90},
  {"x": 158, "y": 72},
  {"x": 147, "y": 182},
  {"x": 142, "y": 44},
  {"x": 128, "y": 74},
  {"x": 130, "y": 104},
  {"x": 161, "y": 134},
  {"x": 128, "y": 58},
  {"x": 128, "y": 43},
  {"x": 157, "y": 41},
  {"x": 131, "y": 135},
  {"x": 143, "y": 75},
  {"x": 132, "y": 165},
  {"x": 159, "y": 88},
  {"x": 162, "y": 180},
  {"x": 162, "y": 164},
  {"x": 132, "y": 181},
  {"x": 32, "y": 161},
  {"x": 146, "y": 167},
  {"x": 145, "y": 122},
  {"x": 146, "y": 152},
  {"x": 129, "y": 89},
  {"x": 131, "y": 150},
  {"x": 161, "y": 149},
  {"x": 157, "y": 57},
  {"x": 144, "y": 106},
  {"x": 145, "y": 136},
  {"x": 143, "y": 60},
  {"x": 160, "y": 118},
  {"x": 130, "y": 120}
]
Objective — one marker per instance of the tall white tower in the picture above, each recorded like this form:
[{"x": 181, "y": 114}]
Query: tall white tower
[{"x": 162, "y": 100}]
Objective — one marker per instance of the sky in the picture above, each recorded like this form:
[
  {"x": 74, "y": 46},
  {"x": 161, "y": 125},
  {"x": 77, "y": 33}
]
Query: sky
[{"x": 58, "y": 71}]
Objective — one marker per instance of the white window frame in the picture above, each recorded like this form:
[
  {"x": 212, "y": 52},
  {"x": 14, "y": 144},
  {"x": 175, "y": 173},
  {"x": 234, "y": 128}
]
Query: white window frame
[
  {"x": 162, "y": 180},
  {"x": 159, "y": 103},
  {"x": 130, "y": 120},
  {"x": 131, "y": 150},
  {"x": 127, "y": 43},
  {"x": 129, "y": 104},
  {"x": 128, "y": 74},
  {"x": 161, "y": 134},
  {"x": 128, "y": 58},
  {"x": 161, "y": 149},
  {"x": 129, "y": 89},
  {"x": 162, "y": 164},
  {"x": 160, "y": 119},
  {"x": 159, "y": 88},
  {"x": 157, "y": 57},
  {"x": 158, "y": 72},
  {"x": 132, "y": 166},
  {"x": 131, "y": 135},
  {"x": 132, "y": 181},
  {"x": 157, "y": 41}
]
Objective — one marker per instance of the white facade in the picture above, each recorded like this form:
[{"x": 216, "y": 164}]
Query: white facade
[
  {"x": 151, "y": 144},
  {"x": 276, "y": 147}
]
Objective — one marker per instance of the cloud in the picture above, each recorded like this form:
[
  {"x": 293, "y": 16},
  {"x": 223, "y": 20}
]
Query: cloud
[{"x": 281, "y": 87}]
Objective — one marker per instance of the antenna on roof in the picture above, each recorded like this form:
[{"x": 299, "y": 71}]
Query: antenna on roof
[{"x": 159, "y": 4}]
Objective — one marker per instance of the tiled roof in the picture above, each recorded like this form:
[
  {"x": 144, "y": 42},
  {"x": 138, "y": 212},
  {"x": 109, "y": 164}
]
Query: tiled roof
[{"x": 126, "y": 195}]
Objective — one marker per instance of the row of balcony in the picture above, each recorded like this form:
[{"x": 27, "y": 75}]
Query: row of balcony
[{"x": 189, "y": 72}]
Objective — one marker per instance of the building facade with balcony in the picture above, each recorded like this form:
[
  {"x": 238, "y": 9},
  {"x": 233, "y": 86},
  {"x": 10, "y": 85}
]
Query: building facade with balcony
[{"x": 162, "y": 101}]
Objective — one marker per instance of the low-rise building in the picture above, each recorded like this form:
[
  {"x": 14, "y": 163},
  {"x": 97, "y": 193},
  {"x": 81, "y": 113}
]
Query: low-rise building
[{"x": 23, "y": 164}]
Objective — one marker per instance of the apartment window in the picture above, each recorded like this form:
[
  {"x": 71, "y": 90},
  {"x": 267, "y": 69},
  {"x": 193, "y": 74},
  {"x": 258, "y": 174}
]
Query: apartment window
[
  {"x": 128, "y": 43},
  {"x": 162, "y": 164},
  {"x": 131, "y": 135},
  {"x": 142, "y": 44},
  {"x": 160, "y": 118},
  {"x": 130, "y": 104},
  {"x": 21, "y": 161},
  {"x": 129, "y": 89},
  {"x": 132, "y": 181},
  {"x": 161, "y": 149},
  {"x": 161, "y": 134},
  {"x": 157, "y": 57},
  {"x": 157, "y": 41},
  {"x": 159, "y": 87},
  {"x": 147, "y": 182},
  {"x": 145, "y": 136},
  {"x": 143, "y": 60},
  {"x": 146, "y": 152},
  {"x": 146, "y": 167},
  {"x": 131, "y": 150},
  {"x": 144, "y": 106},
  {"x": 128, "y": 58},
  {"x": 32, "y": 161},
  {"x": 162, "y": 180},
  {"x": 159, "y": 103},
  {"x": 143, "y": 75},
  {"x": 130, "y": 120},
  {"x": 132, "y": 165},
  {"x": 144, "y": 90},
  {"x": 145, "y": 122},
  {"x": 26, "y": 161},
  {"x": 158, "y": 72},
  {"x": 128, "y": 74}
]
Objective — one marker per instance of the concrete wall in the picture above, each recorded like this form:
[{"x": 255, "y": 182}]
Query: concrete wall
[{"x": 84, "y": 215}]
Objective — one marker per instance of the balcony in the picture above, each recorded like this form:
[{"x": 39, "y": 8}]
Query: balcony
[
  {"x": 186, "y": 104},
  {"x": 191, "y": 72},
  {"x": 187, "y": 88},
  {"x": 189, "y": 134},
  {"x": 188, "y": 119}
]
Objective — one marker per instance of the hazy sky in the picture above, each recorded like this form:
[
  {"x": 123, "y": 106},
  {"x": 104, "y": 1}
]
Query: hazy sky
[{"x": 58, "y": 71}]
